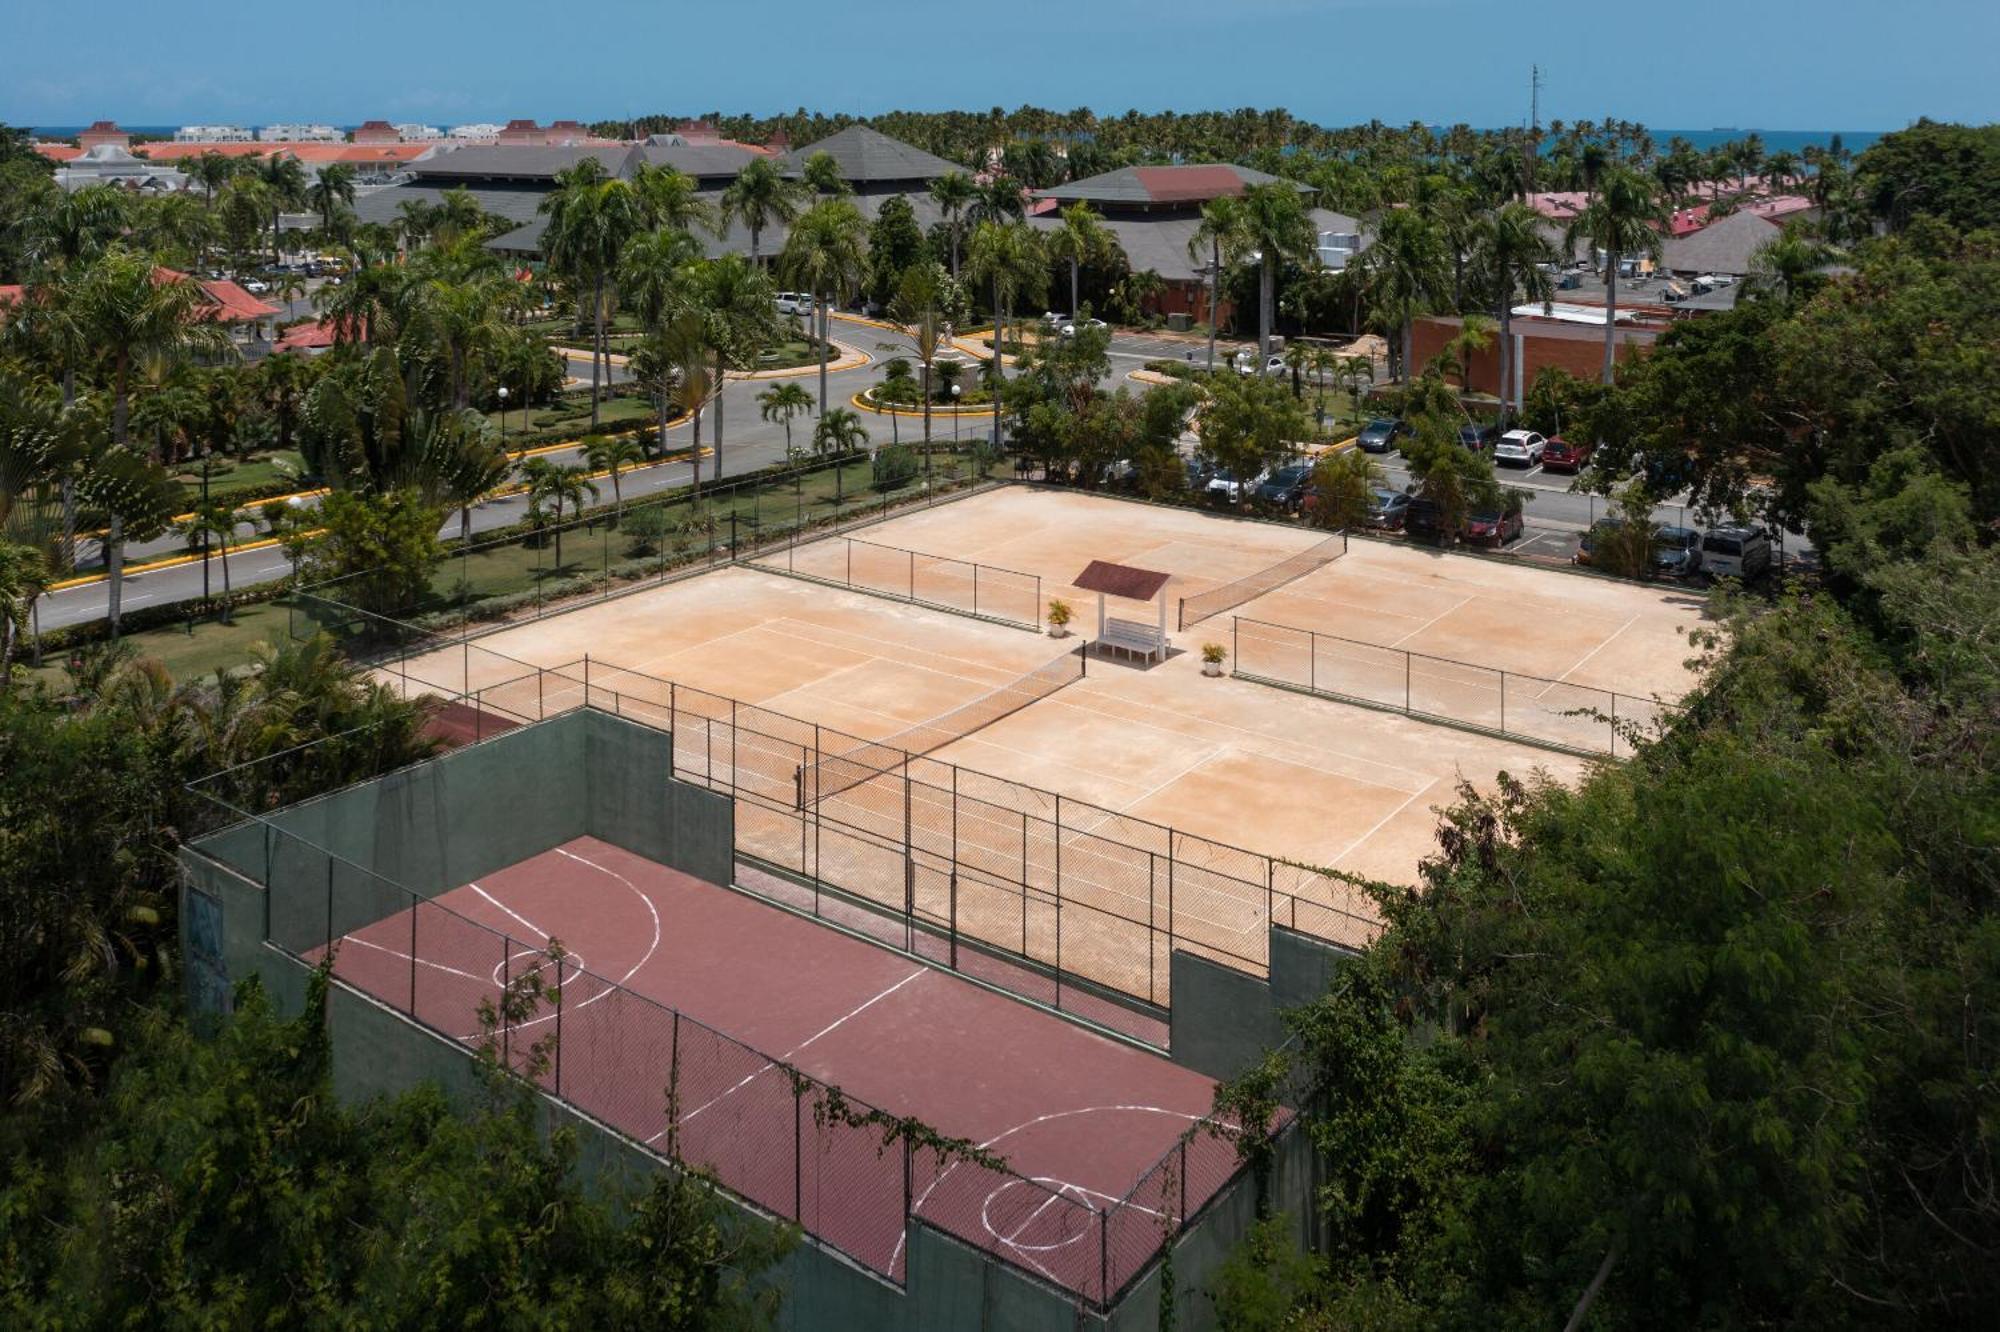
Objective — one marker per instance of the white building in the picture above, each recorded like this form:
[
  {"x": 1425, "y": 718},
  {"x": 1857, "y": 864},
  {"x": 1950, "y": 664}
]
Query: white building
[
  {"x": 413, "y": 133},
  {"x": 212, "y": 134},
  {"x": 300, "y": 134},
  {"x": 482, "y": 131}
]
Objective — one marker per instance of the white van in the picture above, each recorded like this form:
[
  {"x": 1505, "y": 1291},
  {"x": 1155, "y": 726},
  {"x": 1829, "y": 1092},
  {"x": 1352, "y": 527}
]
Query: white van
[
  {"x": 795, "y": 302},
  {"x": 1742, "y": 553}
]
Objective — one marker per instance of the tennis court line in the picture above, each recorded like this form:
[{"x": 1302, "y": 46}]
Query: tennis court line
[
  {"x": 1564, "y": 677},
  {"x": 1380, "y": 823},
  {"x": 830, "y": 1027},
  {"x": 1465, "y": 601}
]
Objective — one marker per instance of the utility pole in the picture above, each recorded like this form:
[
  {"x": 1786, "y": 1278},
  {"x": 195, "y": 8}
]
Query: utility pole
[{"x": 1534, "y": 145}]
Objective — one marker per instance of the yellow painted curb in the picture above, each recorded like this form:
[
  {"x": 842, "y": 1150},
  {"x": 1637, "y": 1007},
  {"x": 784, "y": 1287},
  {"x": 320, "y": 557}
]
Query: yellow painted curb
[
  {"x": 851, "y": 358},
  {"x": 984, "y": 409},
  {"x": 1153, "y": 377},
  {"x": 863, "y": 319},
  {"x": 168, "y": 563}
]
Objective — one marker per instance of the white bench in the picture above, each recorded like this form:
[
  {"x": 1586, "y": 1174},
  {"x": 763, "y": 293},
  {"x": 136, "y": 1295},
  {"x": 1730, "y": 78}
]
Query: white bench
[{"x": 1130, "y": 636}]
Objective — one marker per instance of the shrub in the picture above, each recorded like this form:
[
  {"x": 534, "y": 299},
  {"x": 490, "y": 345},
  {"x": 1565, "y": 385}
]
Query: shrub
[{"x": 895, "y": 466}]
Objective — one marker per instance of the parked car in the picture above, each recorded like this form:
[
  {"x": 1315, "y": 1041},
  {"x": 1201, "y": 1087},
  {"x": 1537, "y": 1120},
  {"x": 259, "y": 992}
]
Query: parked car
[
  {"x": 1199, "y": 470},
  {"x": 1736, "y": 552},
  {"x": 1559, "y": 455},
  {"x": 1286, "y": 486},
  {"x": 1520, "y": 446},
  {"x": 1069, "y": 330},
  {"x": 1677, "y": 552},
  {"x": 1586, "y": 545},
  {"x": 1274, "y": 365},
  {"x": 1478, "y": 438},
  {"x": 1495, "y": 525},
  {"x": 256, "y": 286},
  {"x": 1387, "y": 509},
  {"x": 795, "y": 302},
  {"x": 1423, "y": 520},
  {"x": 1381, "y": 434},
  {"x": 1223, "y": 482}
]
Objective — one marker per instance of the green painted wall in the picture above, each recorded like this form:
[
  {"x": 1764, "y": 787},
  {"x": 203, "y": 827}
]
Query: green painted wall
[{"x": 1223, "y": 1019}]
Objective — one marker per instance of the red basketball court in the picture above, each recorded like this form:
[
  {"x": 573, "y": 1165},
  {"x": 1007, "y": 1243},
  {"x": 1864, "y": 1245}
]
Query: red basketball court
[{"x": 1083, "y": 1121}]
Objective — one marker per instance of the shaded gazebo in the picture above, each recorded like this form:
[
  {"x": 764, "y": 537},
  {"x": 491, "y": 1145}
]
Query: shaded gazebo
[{"x": 1128, "y": 584}]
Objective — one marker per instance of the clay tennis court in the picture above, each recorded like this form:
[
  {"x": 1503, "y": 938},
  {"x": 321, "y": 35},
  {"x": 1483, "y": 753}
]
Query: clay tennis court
[{"x": 1079, "y": 1118}]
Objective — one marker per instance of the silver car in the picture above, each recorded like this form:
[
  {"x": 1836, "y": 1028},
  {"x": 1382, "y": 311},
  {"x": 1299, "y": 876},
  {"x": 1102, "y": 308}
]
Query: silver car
[{"x": 1520, "y": 446}]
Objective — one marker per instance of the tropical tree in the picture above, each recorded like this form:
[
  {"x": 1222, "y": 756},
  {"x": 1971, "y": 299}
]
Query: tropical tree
[
  {"x": 1792, "y": 262},
  {"x": 1624, "y": 218},
  {"x": 24, "y": 576},
  {"x": 953, "y": 192},
  {"x": 672, "y": 199},
  {"x": 613, "y": 453},
  {"x": 821, "y": 175},
  {"x": 1514, "y": 248},
  {"x": 212, "y": 519},
  {"x": 680, "y": 352},
  {"x": 927, "y": 304},
  {"x": 1404, "y": 274},
  {"x": 333, "y": 186},
  {"x": 838, "y": 434},
  {"x": 138, "y": 500},
  {"x": 781, "y": 402},
  {"x": 1007, "y": 259},
  {"x": 462, "y": 322},
  {"x": 556, "y": 486},
  {"x": 1277, "y": 228},
  {"x": 825, "y": 255},
  {"x": 759, "y": 196},
  {"x": 212, "y": 171},
  {"x": 1081, "y": 239},
  {"x": 1343, "y": 487},
  {"x": 1222, "y": 235},
  {"x": 591, "y": 218},
  {"x": 736, "y": 305},
  {"x": 284, "y": 180}
]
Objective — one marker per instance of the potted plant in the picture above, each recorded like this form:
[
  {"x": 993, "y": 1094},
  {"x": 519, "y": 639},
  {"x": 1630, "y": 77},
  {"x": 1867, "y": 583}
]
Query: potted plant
[
  {"x": 1059, "y": 618},
  {"x": 1212, "y": 655}
]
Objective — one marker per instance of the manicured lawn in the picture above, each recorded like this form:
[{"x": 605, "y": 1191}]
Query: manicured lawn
[
  {"x": 261, "y": 471},
  {"x": 212, "y": 645}
]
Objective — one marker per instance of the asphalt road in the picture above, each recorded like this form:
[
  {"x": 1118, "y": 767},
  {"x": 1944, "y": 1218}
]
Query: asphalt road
[{"x": 1554, "y": 516}]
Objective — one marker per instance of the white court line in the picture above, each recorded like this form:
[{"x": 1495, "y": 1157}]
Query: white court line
[
  {"x": 917, "y": 1206},
  {"x": 787, "y": 1055},
  {"x": 1350, "y": 847},
  {"x": 421, "y": 961},
  {"x": 1469, "y": 598},
  {"x": 1564, "y": 677}
]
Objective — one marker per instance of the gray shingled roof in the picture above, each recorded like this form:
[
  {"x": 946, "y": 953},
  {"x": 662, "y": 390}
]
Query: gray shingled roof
[
  {"x": 1726, "y": 246},
  {"x": 1156, "y": 186},
  {"x": 865, "y": 155},
  {"x": 518, "y": 205},
  {"x": 1160, "y": 242},
  {"x": 516, "y": 161},
  {"x": 526, "y": 239},
  {"x": 703, "y": 161}
]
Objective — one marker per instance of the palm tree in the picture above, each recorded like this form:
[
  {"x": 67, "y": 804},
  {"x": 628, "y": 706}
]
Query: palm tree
[
  {"x": 760, "y": 195},
  {"x": 591, "y": 218},
  {"x": 1514, "y": 247},
  {"x": 73, "y": 229},
  {"x": 1277, "y": 228},
  {"x": 610, "y": 453},
  {"x": 821, "y": 175},
  {"x": 998, "y": 200},
  {"x": 838, "y": 434},
  {"x": 284, "y": 178},
  {"x": 1625, "y": 217},
  {"x": 739, "y": 319},
  {"x": 655, "y": 275},
  {"x": 672, "y": 199},
  {"x": 952, "y": 192},
  {"x": 928, "y": 302},
  {"x": 684, "y": 355},
  {"x": 1790, "y": 261},
  {"x": 1404, "y": 272},
  {"x": 781, "y": 402},
  {"x": 213, "y": 171},
  {"x": 549, "y": 483},
  {"x": 826, "y": 254},
  {"x": 1080, "y": 240},
  {"x": 461, "y": 321},
  {"x": 332, "y": 186},
  {"x": 138, "y": 498},
  {"x": 1221, "y": 234},
  {"x": 1008, "y": 260},
  {"x": 23, "y": 577},
  {"x": 217, "y": 519}
]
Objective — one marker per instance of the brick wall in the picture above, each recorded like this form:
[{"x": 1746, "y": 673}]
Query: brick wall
[{"x": 1577, "y": 349}]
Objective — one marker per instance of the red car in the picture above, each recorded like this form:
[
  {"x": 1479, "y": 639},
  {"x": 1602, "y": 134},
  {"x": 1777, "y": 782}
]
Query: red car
[
  {"x": 1563, "y": 456},
  {"x": 1494, "y": 527}
]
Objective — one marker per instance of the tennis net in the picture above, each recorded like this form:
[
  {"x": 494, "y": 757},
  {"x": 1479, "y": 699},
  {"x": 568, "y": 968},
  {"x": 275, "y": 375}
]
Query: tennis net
[
  {"x": 1206, "y": 605},
  {"x": 829, "y": 776}
]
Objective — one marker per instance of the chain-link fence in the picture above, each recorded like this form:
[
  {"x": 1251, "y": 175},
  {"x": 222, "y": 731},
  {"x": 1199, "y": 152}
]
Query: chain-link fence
[
  {"x": 849, "y": 1173},
  {"x": 937, "y": 581},
  {"x": 1559, "y": 714}
]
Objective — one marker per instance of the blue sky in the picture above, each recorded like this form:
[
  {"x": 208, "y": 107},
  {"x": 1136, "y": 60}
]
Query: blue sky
[{"x": 1684, "y": 64}]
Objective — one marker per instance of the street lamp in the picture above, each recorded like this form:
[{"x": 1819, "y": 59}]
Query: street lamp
[
  {"x": 503, "y": 413},
  {"x": 955, "y": 391}
]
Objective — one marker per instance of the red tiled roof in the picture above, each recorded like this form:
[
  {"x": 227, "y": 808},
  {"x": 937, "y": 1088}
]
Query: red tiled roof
[
  {"x": 59, "y": 152},
  {"x": 1120, "y": 580},
  {"x": 1180, "y": 184},
  {"x": 309, "y": 153},
  {"x": 310, "y": 336}
]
